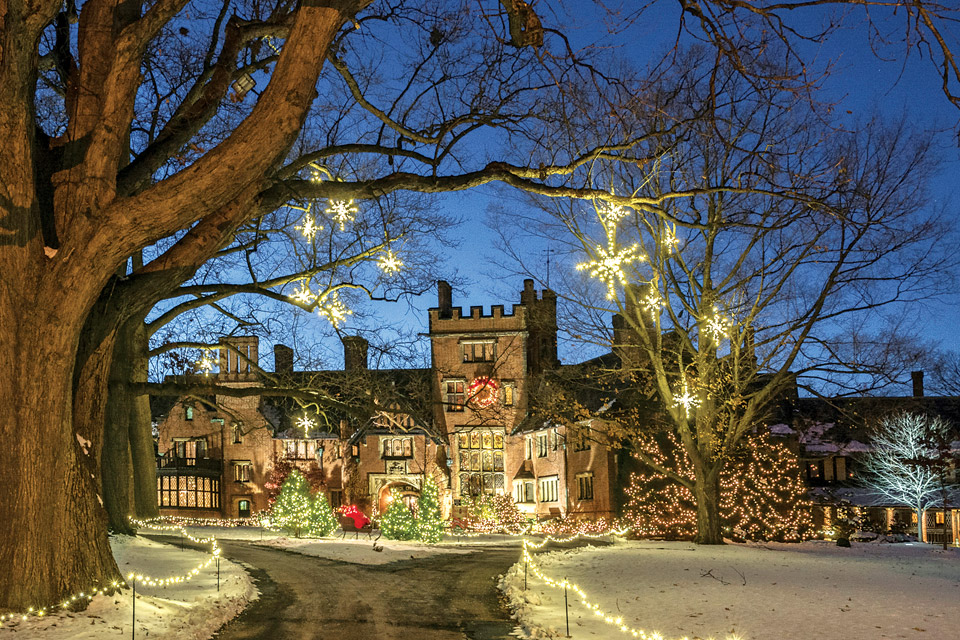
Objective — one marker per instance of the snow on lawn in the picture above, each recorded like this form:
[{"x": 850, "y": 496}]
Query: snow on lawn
[
  {"x": 382, "y": 551},
  {"x": 756, "y": 592},
  {"x": 190, "y": 610}
]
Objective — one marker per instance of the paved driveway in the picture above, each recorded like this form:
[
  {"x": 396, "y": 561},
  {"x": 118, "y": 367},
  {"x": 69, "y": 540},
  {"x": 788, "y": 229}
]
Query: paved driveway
[{"x": 443, "y": 597}]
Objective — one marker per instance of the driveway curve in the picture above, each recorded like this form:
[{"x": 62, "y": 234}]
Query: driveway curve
[{"x": 442, "y": 597}]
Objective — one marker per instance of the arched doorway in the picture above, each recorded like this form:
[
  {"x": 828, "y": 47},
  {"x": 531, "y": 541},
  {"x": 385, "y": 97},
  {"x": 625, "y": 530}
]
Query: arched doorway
[{"x": 407, "y": 492}]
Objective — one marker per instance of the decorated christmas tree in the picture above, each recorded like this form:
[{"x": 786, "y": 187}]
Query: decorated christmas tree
[
  {"x": 398, "y": 522},
  {"x": 322, "y": 521},
  {"x": 429, "y": 520},
  {"x": 291, "y": 509},
  {"x": 496, "y": 513},
  {"x": 762, "y": 496}
]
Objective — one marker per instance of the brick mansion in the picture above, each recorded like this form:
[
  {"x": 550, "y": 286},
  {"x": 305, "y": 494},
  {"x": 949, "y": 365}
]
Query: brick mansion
[
  {"x": 361, "y": 435},
  {"x": 461, "y": 421}
]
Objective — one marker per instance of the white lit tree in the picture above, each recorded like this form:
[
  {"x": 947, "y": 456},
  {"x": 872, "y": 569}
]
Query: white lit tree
[
  {"x": 743, "y": 253},
  {"x": 901, "y": 465}
]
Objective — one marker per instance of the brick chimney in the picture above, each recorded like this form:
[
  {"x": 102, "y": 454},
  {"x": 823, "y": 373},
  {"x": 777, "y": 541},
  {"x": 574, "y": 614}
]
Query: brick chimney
[
  {"x": 917, "y": 377},
  {"x": 444, "y": 300},
  {"x": 282, "y": 358},
  {"x": 354, "y": 353},
  {"x": 237, "y": 354}
]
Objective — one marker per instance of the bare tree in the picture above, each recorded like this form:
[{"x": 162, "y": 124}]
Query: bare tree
[
  {"x": 898, "y": 466},
  {"x": 745, "y": 246}
]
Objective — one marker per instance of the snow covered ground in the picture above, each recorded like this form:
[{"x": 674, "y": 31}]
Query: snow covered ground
[
  {"x": 813, "y": 590},
  {"x": 364, "y": 551},
  {"x": 190, "y": 610}
]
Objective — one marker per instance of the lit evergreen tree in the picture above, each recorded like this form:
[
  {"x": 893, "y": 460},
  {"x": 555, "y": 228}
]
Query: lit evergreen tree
[
  {"x": 321, "y": 519},
  {"x": 291, "y": 509},
  {"x": 398, "y": 522},
  {"x": 762, "y": 496},
  {"x": 429, "y": 520}
]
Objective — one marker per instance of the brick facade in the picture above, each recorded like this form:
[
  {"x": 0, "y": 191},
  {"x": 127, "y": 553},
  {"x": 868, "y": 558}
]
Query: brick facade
[{"x": 470, "y": 441}]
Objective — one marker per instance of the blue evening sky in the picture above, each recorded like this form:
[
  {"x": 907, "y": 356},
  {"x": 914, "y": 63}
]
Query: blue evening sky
[{"x": 860, "y": 83}]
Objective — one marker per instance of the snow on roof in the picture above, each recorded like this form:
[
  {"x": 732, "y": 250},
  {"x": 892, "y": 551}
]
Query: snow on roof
[{"x": 782, "y": 430}]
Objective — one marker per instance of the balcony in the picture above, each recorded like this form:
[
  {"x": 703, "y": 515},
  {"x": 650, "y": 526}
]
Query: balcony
[{"x": 173, "y": 466}]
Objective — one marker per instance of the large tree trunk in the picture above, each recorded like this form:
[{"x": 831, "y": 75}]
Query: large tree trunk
[
  {"x": 117, "y": 460},
  {"x": 142, "y": 450},
  {"x": 51, "y": 471},
  {"x": 63, "y": 231},
  {"x": 706, "y": 492}
]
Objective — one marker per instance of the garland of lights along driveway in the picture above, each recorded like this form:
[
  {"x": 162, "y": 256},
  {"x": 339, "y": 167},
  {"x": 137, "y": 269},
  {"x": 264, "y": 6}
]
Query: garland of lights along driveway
[
  {"x": 526, "y": 556},
  {"x": 529, "y": 564},
  {"x": 132, "y": 579}
]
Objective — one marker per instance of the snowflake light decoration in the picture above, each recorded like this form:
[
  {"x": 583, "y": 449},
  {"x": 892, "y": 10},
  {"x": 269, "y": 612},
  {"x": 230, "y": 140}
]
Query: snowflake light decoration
[
  {"x": 306, "y": 423},
  {"x": 308, "y": 228},
  {"x": 686, "y": 400},
  {"x": 611, "y": 215},
  {"x": 717, "y": 326},
  {"x": 342, "y": 212},
  {"x": 609, "y": 263},
  {"x": 389, "y": 262},
  {"x": 303, "y": 295},
  {"x": 206, "y": 364},
  {"x": 669, "y": 241},
  {"x": 334, "y": 310},
  {"x": 652, "y": 303}
]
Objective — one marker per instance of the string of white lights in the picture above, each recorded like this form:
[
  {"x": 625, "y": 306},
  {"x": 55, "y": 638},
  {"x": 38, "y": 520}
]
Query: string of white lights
[
  {"x": 593, "y": 607},
  {"x": 140, "y": 578}
]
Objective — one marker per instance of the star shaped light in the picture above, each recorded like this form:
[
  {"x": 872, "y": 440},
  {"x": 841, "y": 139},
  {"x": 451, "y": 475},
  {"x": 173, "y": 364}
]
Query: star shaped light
[
  {"x": 652, "y": 303},
  {"x": 717, "y": 326},
  {"x": 686, "y": 400},
  {"x": 342, "y": 211},
  {"x": 389, "y": 262},
  {"x": 609, "y": 263},
  {"x": 206, "y": 364},
  {"x": 306, "y": 423},
  {"x": 334, "y": 310},
  {"x": 611, "y": 214},
  {"x": 669, "y": 241},
  {"x": 308, "y": 227},
  {"x": 303, "y": 295}
]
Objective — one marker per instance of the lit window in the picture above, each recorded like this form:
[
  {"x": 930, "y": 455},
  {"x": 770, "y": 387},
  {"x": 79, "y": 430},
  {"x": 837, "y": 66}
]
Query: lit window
[
  {"x": 300, "y": 449},
  {"x": 397, "y": 447},
  {"x": 509, "y": 391},
  {"x": 243, "y": 509},
  {"x": 585, "y": 486},
  {"x": 241, "y": 471},
  {"x": 581, "y": 441},
  {"x": 542, "y": 445},
  {"x": 455, "y": 394},
  {"x": 188, "y": 491},
  {"x": 189, "y": 413},
  {"x": 549, "y": 489}
]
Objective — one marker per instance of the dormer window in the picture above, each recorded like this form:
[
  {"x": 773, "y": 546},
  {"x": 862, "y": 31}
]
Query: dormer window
[{"x": 397, "y": 447}]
